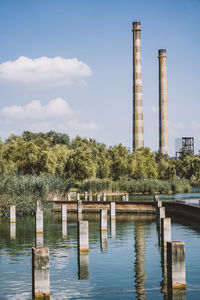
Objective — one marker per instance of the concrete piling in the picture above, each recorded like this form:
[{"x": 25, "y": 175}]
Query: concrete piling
[
  {"x": 112, "y": 211},
  {"x": 160, "y": 214},
  {"x": 98, "y": 197},
  {"x": 12, "y": 214},
  {"x": 138, "y": 128},
  {"x": 83, "y": 236},
  {"x": 127, "y": 197},
  {"x": 123, "y": 198},
  {"x": 156, "y": 198},
  {"x": 39, "y": 221},
  {"x": 176, "y": 277},
  {"x": 85, "y": 196},
  {"x": 103, "y": 220},
  {"x": 40, "y": 273},
  {"x": 39, "y": 240},
  {"x": 79, "y": 210},
  {"x": 64, "y": 213},
  {"x": 165, "y": 231},
  {"x": 78, "y": 196},
  {"x": 104, "y": 196},
  {"x": 69, "y": 197},
  {"x": 90, "y": 197},
  {"x": 163, "y": 118}
]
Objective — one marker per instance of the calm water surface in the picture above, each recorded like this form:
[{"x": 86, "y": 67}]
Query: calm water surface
[{"x": 125, "y": 266}]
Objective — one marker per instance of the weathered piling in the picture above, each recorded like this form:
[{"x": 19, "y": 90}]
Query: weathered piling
[
  {"x": 39, "y": 221},
  {"x": 39, "y": 240},
  {"x": 85, "y": 196},
  {"x": 127, "y": 197},
  {"x": 112, "y": 211},
  {"x": 165, "y": 231},
  {"x": 12, "y": 214},
  {"x": 83, "y": 236},
  {"x": 83, "y": 266},
  {"x": 104, "y": 196},
  {"x": 40, "y": 273},
  {"x": 79, "y": 210},
  {"x": 123, "y": 198},
  {"x": 64, "y": 213},
  {"x": 103, "y": 224},
  {"x": 77, "y": 196},
  {"x": 176, "y": 277},
  {"x": 90, "y": 197},
  {"x": 160, "y": 214},
  {"x": 156, "y": 198},
  {"x": 98, "y": 197},
  {"x": 69, "y": 197}
]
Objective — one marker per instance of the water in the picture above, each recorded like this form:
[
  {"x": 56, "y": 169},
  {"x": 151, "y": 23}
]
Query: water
[
  {"x": 190, "y": 198},
  {"x": 129, "y": 268}
]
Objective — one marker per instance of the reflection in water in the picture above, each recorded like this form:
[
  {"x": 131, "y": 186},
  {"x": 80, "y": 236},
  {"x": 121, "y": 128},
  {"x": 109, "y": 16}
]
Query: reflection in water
[
  {"x": 12, "y": 231},
  {"x": 140, "y": 273},
  {"x": 176, "y": 295},
  {"x": 158, "y": 229},
  {"x": 64, "y": 228},
  {"x": 39, "y": 240},
  {"x": 83, "y": 265},
  {"x": 164, "y": 270},
  {"x": 113, "y": 228},
  {"x": 104, "y": 241}
]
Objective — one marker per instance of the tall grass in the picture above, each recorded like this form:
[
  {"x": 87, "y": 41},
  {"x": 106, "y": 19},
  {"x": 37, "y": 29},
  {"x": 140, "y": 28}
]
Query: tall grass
[
  {"x": 146, "y": 186},
  {"x": 25, "y": 190}
]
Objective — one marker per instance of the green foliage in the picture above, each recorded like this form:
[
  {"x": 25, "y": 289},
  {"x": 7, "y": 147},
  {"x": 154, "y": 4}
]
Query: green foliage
[
  {"x": 24, "y": 191},
  {"x": 119, "y": 161},
  {"x": 143, "y": 165}
]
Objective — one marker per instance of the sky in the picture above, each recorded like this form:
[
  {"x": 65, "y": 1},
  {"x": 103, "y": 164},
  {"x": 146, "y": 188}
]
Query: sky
[{"x": 66, "y": 65}]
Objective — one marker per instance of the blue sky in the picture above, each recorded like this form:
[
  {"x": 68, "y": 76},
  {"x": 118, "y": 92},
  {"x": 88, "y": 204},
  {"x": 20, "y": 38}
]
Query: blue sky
[{"x": 92, "y": 94}]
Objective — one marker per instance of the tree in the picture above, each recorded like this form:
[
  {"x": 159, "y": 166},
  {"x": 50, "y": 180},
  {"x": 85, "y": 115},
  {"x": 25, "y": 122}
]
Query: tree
[
  {"x": 142, "y": 164},
  {"x": 118, "y": 161}
]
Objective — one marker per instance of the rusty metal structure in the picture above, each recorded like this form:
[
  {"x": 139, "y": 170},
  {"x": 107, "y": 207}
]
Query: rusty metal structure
[{"x": 184, "y": 144}]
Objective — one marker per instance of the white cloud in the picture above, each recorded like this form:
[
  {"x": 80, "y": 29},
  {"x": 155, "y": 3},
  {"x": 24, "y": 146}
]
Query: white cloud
[
  {"x": 35, "y": 110},
  {"x": 58, "y": 71},
  {"x": 55, "y": 115},
  {"x": 195, "y": 125}
]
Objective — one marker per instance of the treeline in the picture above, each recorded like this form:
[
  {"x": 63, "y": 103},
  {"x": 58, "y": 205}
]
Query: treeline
[{"x": 82, "y": 159}]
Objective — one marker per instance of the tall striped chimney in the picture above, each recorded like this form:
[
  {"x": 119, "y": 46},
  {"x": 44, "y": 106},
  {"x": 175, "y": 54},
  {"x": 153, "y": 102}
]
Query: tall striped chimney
[
  {"x": 138, "y": 128},
  {"x": 163, "y": 119}
]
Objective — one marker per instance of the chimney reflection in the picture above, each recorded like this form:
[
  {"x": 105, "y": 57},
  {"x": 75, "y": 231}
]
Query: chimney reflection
[{"x": 140, "y": 273}]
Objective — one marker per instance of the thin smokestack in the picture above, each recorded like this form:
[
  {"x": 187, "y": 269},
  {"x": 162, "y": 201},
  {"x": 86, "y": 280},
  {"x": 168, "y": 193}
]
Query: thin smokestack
[
  {"x": 163, "y": 118},
  {"x": 138, "y": 128}
]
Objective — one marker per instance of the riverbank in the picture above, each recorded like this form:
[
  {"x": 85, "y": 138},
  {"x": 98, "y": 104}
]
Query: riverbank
[{"x": 25, "y": 190}]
